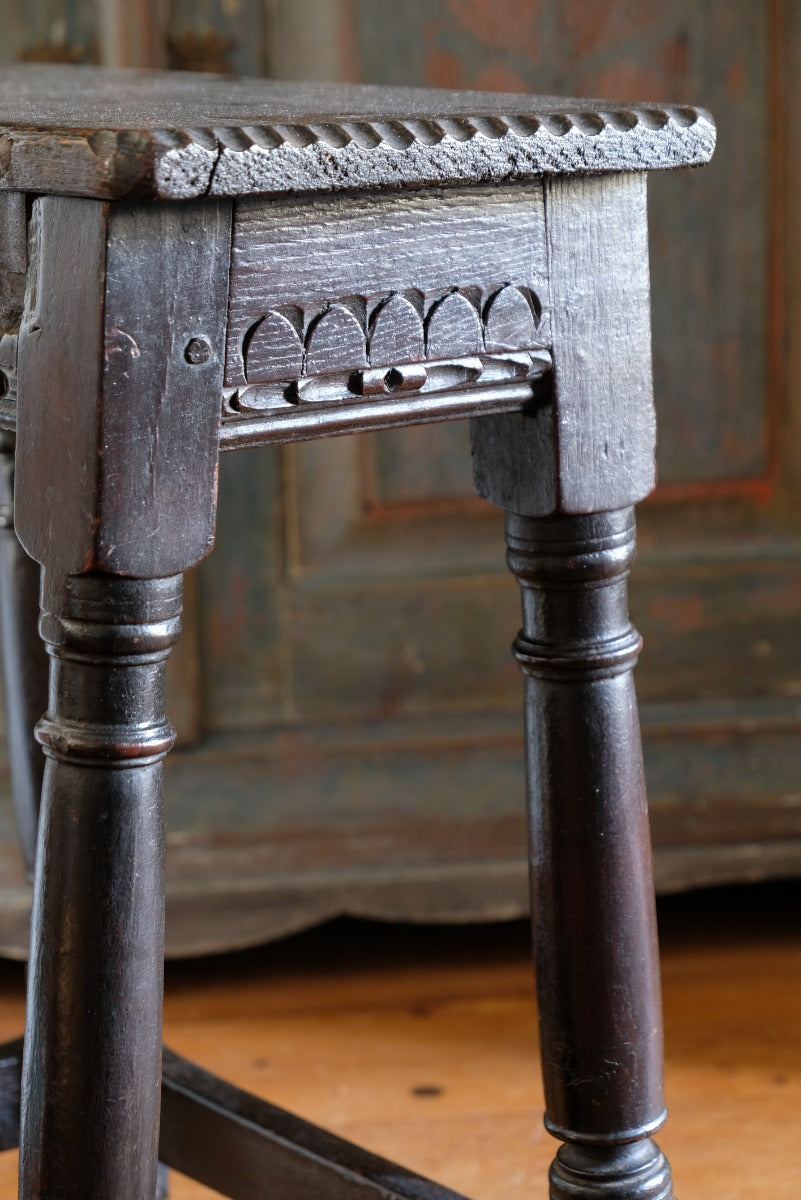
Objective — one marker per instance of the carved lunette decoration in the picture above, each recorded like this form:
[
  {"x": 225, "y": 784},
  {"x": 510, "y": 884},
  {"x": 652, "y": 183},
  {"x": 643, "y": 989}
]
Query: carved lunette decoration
[{"x": 389, "y": 343}]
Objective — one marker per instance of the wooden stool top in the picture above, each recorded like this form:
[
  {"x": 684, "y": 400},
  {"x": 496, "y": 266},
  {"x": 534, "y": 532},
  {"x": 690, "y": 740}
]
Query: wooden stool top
[{"x": 104, "y": 133}]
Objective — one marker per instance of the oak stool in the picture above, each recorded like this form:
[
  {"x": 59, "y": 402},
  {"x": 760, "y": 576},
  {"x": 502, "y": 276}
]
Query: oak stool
[{"x": 189, "y": 265}]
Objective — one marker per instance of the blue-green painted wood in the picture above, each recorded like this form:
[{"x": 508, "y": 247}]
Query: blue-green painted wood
[{"x": 709, "y": 233}]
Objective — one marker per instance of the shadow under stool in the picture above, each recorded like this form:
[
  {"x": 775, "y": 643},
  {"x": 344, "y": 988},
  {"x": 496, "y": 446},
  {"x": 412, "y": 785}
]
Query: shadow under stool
[{"x": 191, "y": 265}]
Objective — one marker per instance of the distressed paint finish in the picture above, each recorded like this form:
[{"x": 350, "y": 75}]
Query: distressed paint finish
[
  {"x": 217, "y": 35},
  {"x": 718, "y": 49},
  {"x": 57, "y": 31},
  {"x": 405, "y": 512}
]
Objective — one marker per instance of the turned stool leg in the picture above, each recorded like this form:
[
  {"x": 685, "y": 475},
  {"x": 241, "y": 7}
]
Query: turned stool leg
[
  {"x": 92, "y": 1058},
  {"x": 24, "y": 662},
  {"x": 592, "y": 894},
  {"x": 118, "y": 418}
]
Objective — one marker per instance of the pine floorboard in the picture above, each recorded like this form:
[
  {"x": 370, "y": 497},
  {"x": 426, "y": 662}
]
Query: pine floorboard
[{"x": 420, "y": 1043}]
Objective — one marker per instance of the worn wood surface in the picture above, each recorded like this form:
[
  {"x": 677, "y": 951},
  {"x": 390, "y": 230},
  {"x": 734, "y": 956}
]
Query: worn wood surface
[
  {"x": 305, "y": 257},
  {"x": 716, "y": 322},
  {"x": 165, "y": 296},
  {"x": 74, "y": 729},
  {"x": 95, "y": 512},
  {"x": 276, "y": 858},
  {"x": 592, "y": 450},
  {"x": 116, "y": 477},
  {"x": 106, "y": 134},
  {"x": 590, "y": 853},
  {"x": 293, "y": 423},
  {"x": 25, "y": 669},
  {"x": 90, "y": 1096},
  {"x": 391, "y": 300},
  {"x": 402, "y": 538},
  {"x": 58, "y": 442}
]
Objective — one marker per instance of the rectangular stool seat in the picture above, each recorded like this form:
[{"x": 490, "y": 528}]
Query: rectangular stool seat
[{"x": 192, "y": 264}]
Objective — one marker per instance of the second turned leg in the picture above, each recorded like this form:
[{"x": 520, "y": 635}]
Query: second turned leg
[
  {"x": 24, "y": 662},
  {"x": 592, "y": 893},
  {"x": 92, "y": 1059}
]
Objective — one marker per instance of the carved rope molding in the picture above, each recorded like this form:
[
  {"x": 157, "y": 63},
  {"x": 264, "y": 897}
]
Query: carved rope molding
[
  {"x": 174, "y": 135},
  {"x": 329, "y": 155},
  {"x": 408, "y": 342}
]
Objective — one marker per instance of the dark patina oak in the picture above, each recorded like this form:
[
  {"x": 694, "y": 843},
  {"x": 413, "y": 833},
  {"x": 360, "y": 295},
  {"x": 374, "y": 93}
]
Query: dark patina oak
[{"x": 190, "y": 264}]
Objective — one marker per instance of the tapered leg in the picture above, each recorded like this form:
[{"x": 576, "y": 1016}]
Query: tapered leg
[
  {"x": 592, "y": 893},
  {"x": 162, "y": 1183},
  {"x": 92, "y": 1059},
  {"x": 24, "y": 662}
]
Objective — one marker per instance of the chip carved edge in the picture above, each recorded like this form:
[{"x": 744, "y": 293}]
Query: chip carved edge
[{"x": 327, "y": 155}]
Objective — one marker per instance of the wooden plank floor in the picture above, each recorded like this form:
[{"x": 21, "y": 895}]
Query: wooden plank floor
[{"x": 421, "y": 1043}]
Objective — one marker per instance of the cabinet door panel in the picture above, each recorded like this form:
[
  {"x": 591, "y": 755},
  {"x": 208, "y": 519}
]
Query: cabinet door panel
[
  {"x": 710, "y": 230},
  {"x": 346, "y": 672}
]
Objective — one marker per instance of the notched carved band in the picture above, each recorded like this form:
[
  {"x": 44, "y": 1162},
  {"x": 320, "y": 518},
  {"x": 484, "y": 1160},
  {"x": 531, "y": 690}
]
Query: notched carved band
[
  {"x": 104, "y": 745},
  {"x": 619, "y": 1137},
  {"x": 600, "y": 660},
  {"x": 109, "y": 639},
  {"x": 637, "y": 1170}
]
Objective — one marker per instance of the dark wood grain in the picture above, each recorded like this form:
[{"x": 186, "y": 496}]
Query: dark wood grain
[
  {"x": 120, "y": 500},
  {"x": 592, "y": 893},
  {"x": 719, "y": 743},
  {"x": 708, "y": 568},
  {"x": 141, "y": 380},
  {"x": 597, "y": 233},
  {"x": 25, "y": 669},
  {"x": 10, "y": 1072},
  {"x": 58, "y": 441},
  {"x": 232, "y": 1141},
  {"x": 165, "y": 300},
  {"x": 711, "y": 324},
  {"x": 90, "y": 1108},
  {"x": 299, "y": 423},
  {"x": 118, "y": 472},
  {"x": 597, "y": 444},
  {"x": 308, "y": 255}
]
